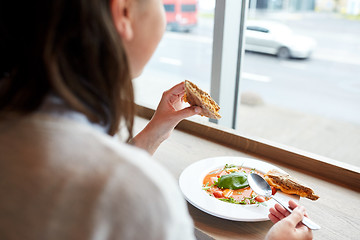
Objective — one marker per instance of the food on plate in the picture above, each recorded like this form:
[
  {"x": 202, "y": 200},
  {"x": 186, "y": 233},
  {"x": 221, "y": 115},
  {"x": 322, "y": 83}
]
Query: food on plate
[
  {"x": 233, "y": 181},
  {"x": 229, "y": 184},
  {"x": 197, "y": 97},
  {"x": 289, "y": 185}
]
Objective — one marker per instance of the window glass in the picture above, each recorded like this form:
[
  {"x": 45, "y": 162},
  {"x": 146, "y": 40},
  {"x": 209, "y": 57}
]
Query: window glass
[
  {"x": 188, "y": 7},
  {"x": 300, "y": 85},
  {"x": 257, "y": 29},
  {"x": 169, "y": 7},
  {"x": 185, "y": 52}
]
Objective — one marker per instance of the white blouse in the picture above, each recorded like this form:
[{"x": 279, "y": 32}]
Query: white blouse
[{"x": 63, "y": 178}]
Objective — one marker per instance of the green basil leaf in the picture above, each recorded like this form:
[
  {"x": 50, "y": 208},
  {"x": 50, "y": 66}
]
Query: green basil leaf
[{"x": 233, "y": 181}]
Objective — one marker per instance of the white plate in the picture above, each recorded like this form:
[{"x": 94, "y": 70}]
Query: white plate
[{"x": 191, "y": 182}]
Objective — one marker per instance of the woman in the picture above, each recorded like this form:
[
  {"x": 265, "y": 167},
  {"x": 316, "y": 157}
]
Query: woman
[{"x": 66, "y": 68}]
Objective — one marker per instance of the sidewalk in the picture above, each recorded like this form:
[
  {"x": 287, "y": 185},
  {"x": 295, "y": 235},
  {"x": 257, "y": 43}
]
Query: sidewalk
[{"x": 330, "y": 138}]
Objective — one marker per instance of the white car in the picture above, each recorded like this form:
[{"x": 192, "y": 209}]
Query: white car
[{"x": 277, "y": 39}]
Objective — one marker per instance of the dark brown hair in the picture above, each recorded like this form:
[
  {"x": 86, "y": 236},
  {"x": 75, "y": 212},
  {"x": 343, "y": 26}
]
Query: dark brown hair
[{"x": 67, "y": 47}]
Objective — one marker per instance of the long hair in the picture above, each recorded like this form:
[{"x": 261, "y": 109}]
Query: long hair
[{"x": 67, "y": 47}]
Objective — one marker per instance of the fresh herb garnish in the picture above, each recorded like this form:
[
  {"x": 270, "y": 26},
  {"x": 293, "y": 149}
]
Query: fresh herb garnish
[
  {"x": 229, "y": 200},
  {"x": 207, "y": 187},
  {"x": 233, "y": 181},
  {"x": 227, "y": 166}
]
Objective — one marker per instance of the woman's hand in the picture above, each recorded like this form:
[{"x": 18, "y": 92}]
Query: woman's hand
[
  {"x": 288, "y": 225},
  {"x": 168, "y": 114}
]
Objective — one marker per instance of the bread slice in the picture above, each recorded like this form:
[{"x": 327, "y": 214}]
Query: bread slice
[
  {"x": 289, "y": 185},
  {"x": 197, "y": 97}
]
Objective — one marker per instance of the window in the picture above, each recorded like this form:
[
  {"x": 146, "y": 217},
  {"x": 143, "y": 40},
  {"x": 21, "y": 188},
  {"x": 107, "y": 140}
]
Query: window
[
  {"x": 183, "y": 53},
  {"x": 188, "y": 8},
  {"x": 257, "y": 29},
  {"x": 298, "y": 86},
  {"x": 169, "y": 7}
]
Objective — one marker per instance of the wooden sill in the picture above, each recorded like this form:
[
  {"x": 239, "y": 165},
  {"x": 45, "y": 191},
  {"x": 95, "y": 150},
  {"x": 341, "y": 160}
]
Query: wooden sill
[{"x": 334, "y": 171}]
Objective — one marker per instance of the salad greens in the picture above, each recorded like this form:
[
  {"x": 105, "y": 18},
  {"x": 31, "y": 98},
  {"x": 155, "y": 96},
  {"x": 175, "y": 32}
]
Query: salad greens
[
  {"x": 243, "y": 201},
  {"x": 222, "y": 184},
  {"x": 227, "y": 166},
  {"x": 233, "y": 181}
]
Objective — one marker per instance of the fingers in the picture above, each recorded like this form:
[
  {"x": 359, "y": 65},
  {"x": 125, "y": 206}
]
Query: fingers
[
  {"x": 296, "y": 216},
  {"x": 292, "y": 204},
  {"x": 175, "y": 94},
  {"x": 188, "y": 112},
  {"x": 273, "y": 218},
  {"x": 279, "y": 212},
  {"x": 282, "y": 210},
  {"x": 289, "y": 223},
  {"x": 177, "y": 89},
  {"x": 171, "y": 103}
]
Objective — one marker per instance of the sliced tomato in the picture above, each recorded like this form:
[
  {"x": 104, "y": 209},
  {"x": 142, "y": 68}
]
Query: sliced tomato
[
  {"x": 218, "y": 194},
  {"x": 227, "y": 193},
  {"x": 260, "y": 199},
  {"x": 273, "y": 190}
]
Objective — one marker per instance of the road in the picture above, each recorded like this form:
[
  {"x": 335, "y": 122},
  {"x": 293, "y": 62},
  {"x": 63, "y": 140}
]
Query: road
[{"x": 327, "y": 84}]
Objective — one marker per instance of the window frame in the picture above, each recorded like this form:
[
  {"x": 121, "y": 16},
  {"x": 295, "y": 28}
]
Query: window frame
[{"x": 227, "y": 55}]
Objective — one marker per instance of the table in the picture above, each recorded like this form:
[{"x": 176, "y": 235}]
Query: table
[{"x": 337, "y": 210}]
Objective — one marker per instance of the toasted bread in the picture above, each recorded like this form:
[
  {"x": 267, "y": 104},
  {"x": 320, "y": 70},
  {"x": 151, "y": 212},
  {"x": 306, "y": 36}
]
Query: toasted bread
[
  {"x": 289, "y": 185},
  {"x": 197, "y": 97}
]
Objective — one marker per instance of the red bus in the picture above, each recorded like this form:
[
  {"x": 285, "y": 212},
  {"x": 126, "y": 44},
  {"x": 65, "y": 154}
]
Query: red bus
[{"x": 181, "y": 15}]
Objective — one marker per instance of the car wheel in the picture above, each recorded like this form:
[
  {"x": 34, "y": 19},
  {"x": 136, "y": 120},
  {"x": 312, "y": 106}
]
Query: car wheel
[{"x": 283, "y": 53}]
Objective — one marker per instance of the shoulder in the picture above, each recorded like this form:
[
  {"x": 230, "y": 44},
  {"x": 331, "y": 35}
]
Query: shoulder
[
  {"x": 137, "y": 193},
  {"x": 121, "y": 190}
]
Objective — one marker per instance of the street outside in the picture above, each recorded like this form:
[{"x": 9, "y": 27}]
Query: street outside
[{"x": 325, "y": 87}]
